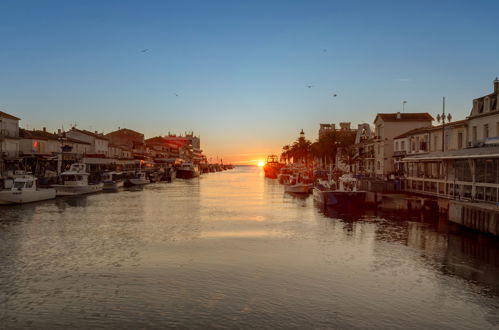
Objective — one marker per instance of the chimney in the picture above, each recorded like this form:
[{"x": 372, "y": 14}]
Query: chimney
[
  {"x": 44, "y": 129},
  {"x": 59, "y": 131},
  {"x": 496, "y": 86},
  {"x": 399, "y": 115}
]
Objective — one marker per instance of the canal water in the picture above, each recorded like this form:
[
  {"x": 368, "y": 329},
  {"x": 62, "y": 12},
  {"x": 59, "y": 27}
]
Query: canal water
[{"x": 232, "y": 250}]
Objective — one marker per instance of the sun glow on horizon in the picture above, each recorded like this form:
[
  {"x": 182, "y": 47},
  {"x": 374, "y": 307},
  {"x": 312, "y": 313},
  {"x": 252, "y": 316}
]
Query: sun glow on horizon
[{"x": 260, "y": 163}]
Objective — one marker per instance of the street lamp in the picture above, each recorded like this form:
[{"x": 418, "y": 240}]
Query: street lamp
[
  {"x": 441, "y": 117},
  {"x": 403, "y": 106}
]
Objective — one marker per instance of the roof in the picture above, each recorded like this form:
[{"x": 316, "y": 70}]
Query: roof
[
  {"x": 6, "y": 115},
  {"x": 427, "y": 129},
  {"x": 483, "y": 152},
  {"x": 95, "y": 135},
  {"x": 39, "y": 135},
  {"x": 416, "y": 116}
]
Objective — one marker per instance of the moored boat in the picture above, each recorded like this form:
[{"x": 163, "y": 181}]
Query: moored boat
[
  {"x": 298, "y": 184},
  {"x": 112, "y": 181},
  {"x": 75, "y": 182},
  {"x": 24, "y": 190},
  {"x": 138, "y": 179},
  {"x": 346, "y": 196},
  {"x": 272, "y": 167},
  {"x": 187, "y": 170}
]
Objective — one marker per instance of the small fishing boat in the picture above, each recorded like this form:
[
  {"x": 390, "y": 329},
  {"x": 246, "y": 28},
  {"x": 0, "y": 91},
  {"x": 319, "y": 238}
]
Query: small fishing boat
[
  {"x": 345, "y": 194},
  {"x": 272, "y": 167},
  {"x": 298, "y": 184},
  {"x": 138, "y": 179},
  {"x": 24, "y": 190},
  {"x": 112, "y": 181},
  {"x": 75, "y": 182},
  {"x": 187, "y": 170}
]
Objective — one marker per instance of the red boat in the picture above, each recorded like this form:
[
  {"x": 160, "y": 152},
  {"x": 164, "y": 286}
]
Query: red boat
[{"x": 272, "y": 167}]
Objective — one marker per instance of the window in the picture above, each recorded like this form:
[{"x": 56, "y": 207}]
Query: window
[
  {"x": 435, "y": 143},
  {"x": 396, "y": 146},
  {"x": 417, "y": 144},
  {"x": 379, "y": 165},
  {"x": 403, "y": 144},
  {"x": 474, "y": 134},
  {"x": 485, "y": 131}
]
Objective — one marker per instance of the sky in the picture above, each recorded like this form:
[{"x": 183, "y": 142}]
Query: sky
[{"x": 235, "y": 72}]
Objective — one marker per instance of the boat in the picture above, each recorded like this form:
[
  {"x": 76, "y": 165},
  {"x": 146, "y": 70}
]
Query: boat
[
  {"x": 298, "y": 184},
  {"x": 345, "y": 194},
  {"x": 187, "y": 170},
  {"x": 272, "y": 167},
  {"x": 138, "y": 179},
  {"x": 112, "y": 181},
  {"x": 24, "y": 190},
  {"x": 75, "y": 182}
]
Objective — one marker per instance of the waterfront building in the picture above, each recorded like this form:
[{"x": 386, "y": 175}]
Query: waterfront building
[
  {"x": 429, "y": 139},
  {"x": 189, "y": 146},
  {"x": 483, "y": 121},
  {"x": 364, "y": 150},
  {"x": 9, "y": 140},
  {"x": 387, "y": 127},
  {"x": 131, "y": 140},
  {"x": 98, "y": 142},
  {"x": 162, "y": 151}
]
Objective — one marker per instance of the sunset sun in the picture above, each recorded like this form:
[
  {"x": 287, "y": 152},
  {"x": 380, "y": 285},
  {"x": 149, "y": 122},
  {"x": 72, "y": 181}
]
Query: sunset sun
[{"x": 261, "y": 163}]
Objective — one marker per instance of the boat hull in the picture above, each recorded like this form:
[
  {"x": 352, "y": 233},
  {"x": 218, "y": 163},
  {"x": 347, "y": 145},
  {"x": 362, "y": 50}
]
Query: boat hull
[
  {"x": 186, "y": 174},
  {"x": 63, "y": 190},
  {"x": 340, "y": 199},
  {"x": 112, "y": 185},
  {"x": 22, "y": 197},
  {"x": 297, "y": 188},
  {"x": 138, "y": 182}
]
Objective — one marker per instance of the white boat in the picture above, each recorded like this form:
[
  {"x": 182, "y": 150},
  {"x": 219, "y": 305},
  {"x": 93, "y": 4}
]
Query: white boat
[
  {"x": 24, "y": 190},
  {"x": 347, "y": 195},
  {"x": 112, "y": 181},
  {"x": 298, "y": 184},
  {"x": 187, "y": 170},
  {"x": 75, "y": 182},
  {"x": 139, "y": 178}
]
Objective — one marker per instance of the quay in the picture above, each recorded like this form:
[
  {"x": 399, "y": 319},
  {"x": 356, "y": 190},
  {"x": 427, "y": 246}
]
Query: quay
[{"x": 405, "y": 162}]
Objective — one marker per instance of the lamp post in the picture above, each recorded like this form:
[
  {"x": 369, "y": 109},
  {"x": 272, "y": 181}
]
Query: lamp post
[
  {"x": 443, "y": 118},
  {"x": 403, "y": 106}
]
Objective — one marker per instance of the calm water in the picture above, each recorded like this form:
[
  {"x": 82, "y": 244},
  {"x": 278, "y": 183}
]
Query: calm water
[{"x": 231, "y": 250}]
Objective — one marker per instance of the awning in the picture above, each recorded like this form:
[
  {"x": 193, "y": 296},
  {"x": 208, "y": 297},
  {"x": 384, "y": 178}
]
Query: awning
[{"x": 473, "y": 153}]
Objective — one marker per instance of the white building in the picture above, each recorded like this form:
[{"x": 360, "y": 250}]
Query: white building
[
  {"x": 483, "y": 121},
  {"x": 9, "y": 139},
  {"x": 387, "y": 127},
  {"x": 99, "y": 143}
]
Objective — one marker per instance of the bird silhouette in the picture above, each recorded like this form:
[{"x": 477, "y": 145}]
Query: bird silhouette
[
  {"x": 145, "y": 50},
  {"x": 309, "y": 86},
  {"x": 175, "y": 94},
  {"x": 334, "y": 95}
]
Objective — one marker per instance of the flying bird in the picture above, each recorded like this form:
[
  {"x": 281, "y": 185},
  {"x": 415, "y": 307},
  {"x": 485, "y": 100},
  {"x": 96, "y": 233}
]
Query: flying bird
[
  {"x": 334, "y": 95},
  {"x": 309, "y": 86},
  {"x": 175, "y": 94},
  {"x": 144, "y": 50}
]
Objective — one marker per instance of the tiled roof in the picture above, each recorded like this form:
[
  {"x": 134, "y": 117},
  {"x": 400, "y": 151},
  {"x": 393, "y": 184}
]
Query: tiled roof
[
  {"x": 39, "y": 135},
  {"x": 96, "y": 135},
  {"x": 416, "y": 116},
  {"x": 6, "y": 115}
]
